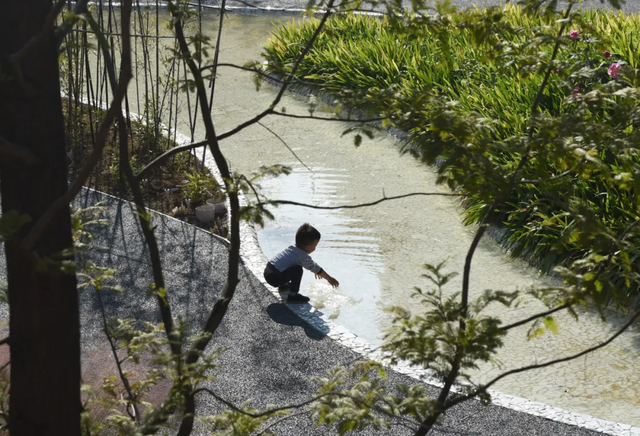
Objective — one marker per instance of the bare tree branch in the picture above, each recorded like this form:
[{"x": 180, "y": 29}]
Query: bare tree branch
[
  {"x": 290, "y": 77},
  {"x": 273, "y": 424},
  {"x": 285, "y": 144},
  {"x": 266, "y": 412},
  {"x": 79, "y": 8},
  {"x": 523, "y": 160},
  {"x": 428, "y": 423},
  {"x": 214, "y": 71},
  {"x": 143, "y": 216},
  {"x": 371, "y": 203},
  {"x": 260, "y": 8},
  {"x": 624, "y": 234},
  {"x": 259, "y": 72},
  {"x": 187, "y": 147},
  {"x": 288, "y": 407},
  {"x": 534, "y": 317},
  {"x": 222, "y": 8},
  {"x": 11, "y": 151},
  {"x": 312, "y": 117},
  {"x": 216, "y": 54},
  {"x": 538, "y": 181},
  {"x": 413, "y": 424},
  {"x": 482, "y": 228},
  {"x": 253, "y": 188},
  {"x": 621, "y": 239},
  {"x": 167, "y": 154},
  {"x": 133, "y": 35},
  {"x": 219, "y": 309}
]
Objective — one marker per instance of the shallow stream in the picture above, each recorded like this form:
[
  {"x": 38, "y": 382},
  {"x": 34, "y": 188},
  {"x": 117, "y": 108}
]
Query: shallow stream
[{"x": 376, "y": 253}]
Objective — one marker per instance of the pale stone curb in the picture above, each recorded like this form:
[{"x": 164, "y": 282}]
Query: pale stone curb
[{"x": 255, "y": 260}]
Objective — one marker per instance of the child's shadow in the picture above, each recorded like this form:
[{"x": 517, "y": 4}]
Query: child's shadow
[{"x": 282, "y": 314}]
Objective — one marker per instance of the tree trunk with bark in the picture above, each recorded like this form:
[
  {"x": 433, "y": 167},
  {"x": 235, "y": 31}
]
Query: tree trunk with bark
[{"x": 44, "y": 320}]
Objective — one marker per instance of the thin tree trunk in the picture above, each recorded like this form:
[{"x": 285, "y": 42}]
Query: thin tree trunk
[{"x": 44, "y": 321}]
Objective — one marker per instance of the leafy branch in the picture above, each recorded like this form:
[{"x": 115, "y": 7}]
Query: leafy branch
[
  {"x": 125, "y": 380},
  {"x": 450, "y": 379},
  {"x": 486, "y": 386},
  {"x": 290, "y": 77}
]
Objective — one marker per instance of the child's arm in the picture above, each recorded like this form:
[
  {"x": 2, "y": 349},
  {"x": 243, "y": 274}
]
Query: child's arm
[{"x": 333, "y": 282}]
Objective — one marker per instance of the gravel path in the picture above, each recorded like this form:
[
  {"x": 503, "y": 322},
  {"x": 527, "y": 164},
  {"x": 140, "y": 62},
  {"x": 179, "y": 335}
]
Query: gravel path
[{"x": 271, "y": 354}]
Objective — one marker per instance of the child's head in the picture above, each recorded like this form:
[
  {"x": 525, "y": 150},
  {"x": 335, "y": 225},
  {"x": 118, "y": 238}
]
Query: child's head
[{"x": 307, "y": 237}]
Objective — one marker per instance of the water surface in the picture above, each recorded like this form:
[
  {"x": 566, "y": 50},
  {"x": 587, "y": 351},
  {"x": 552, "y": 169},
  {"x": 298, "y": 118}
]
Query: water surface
[{"x": 377, "y": 253}]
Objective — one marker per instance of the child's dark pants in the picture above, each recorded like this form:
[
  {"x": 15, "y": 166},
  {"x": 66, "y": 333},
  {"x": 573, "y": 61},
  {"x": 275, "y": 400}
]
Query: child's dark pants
[{"x": 281, "y": 278}]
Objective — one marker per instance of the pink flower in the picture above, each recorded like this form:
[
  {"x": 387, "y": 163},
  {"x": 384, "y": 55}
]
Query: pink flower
[
  {"x": 555, "y": 71},
  {"x": 575, "y": 91},
  {"x": 614, "y": 70},
  {"x": 606, "y": 54},
  {"x": 574, "y": 34}
]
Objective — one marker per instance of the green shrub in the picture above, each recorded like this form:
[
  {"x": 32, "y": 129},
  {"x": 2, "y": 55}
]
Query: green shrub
[{"x": 199, "y": 187}]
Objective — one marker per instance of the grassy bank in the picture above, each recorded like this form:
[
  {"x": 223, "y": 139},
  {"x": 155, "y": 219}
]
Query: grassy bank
[{"x": 367, "y": 56}]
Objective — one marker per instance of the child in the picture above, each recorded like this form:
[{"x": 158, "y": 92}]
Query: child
[{"x": 285, "y": 268}]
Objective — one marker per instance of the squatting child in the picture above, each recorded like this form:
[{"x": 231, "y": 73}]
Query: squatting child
[{"x": 284, "y": 270}]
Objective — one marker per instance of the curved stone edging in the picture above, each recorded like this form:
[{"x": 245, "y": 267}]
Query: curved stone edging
[{"x": 254, "y": 259}]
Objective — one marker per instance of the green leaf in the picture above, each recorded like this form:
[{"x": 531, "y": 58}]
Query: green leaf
[
  {"x": 346, "y": 426},
  {"x": 598, "y": 285},
  {"x": 357, "y": 140},
  {"x": 551, "y": 324}
]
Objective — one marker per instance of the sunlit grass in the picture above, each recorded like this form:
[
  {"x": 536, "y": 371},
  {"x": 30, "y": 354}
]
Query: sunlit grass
[{"x": 364, "y": 53}]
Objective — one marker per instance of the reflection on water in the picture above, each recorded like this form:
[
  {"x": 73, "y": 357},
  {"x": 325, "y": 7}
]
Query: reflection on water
[{"x": 347, "y": 251}]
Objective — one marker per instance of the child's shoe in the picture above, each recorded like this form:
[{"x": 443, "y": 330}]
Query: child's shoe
[{"x": 297, "y": 298}]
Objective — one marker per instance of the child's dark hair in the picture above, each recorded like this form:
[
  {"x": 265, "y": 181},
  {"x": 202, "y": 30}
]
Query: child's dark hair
[{"x": 306, "y": 234}]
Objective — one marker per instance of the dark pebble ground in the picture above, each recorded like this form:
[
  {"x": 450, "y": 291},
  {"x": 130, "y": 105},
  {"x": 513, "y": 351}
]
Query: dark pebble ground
[{"x": 271, "y": 354}]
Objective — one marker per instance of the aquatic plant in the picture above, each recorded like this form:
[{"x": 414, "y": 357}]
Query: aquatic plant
[{"x": 490, "y": 75}]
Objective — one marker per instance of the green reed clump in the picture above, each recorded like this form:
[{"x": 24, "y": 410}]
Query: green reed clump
[{"x": 366, "y": 55}]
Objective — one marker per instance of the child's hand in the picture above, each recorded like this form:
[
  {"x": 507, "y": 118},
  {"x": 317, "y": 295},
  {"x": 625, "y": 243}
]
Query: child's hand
[{"x": 333, "y": 282}]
